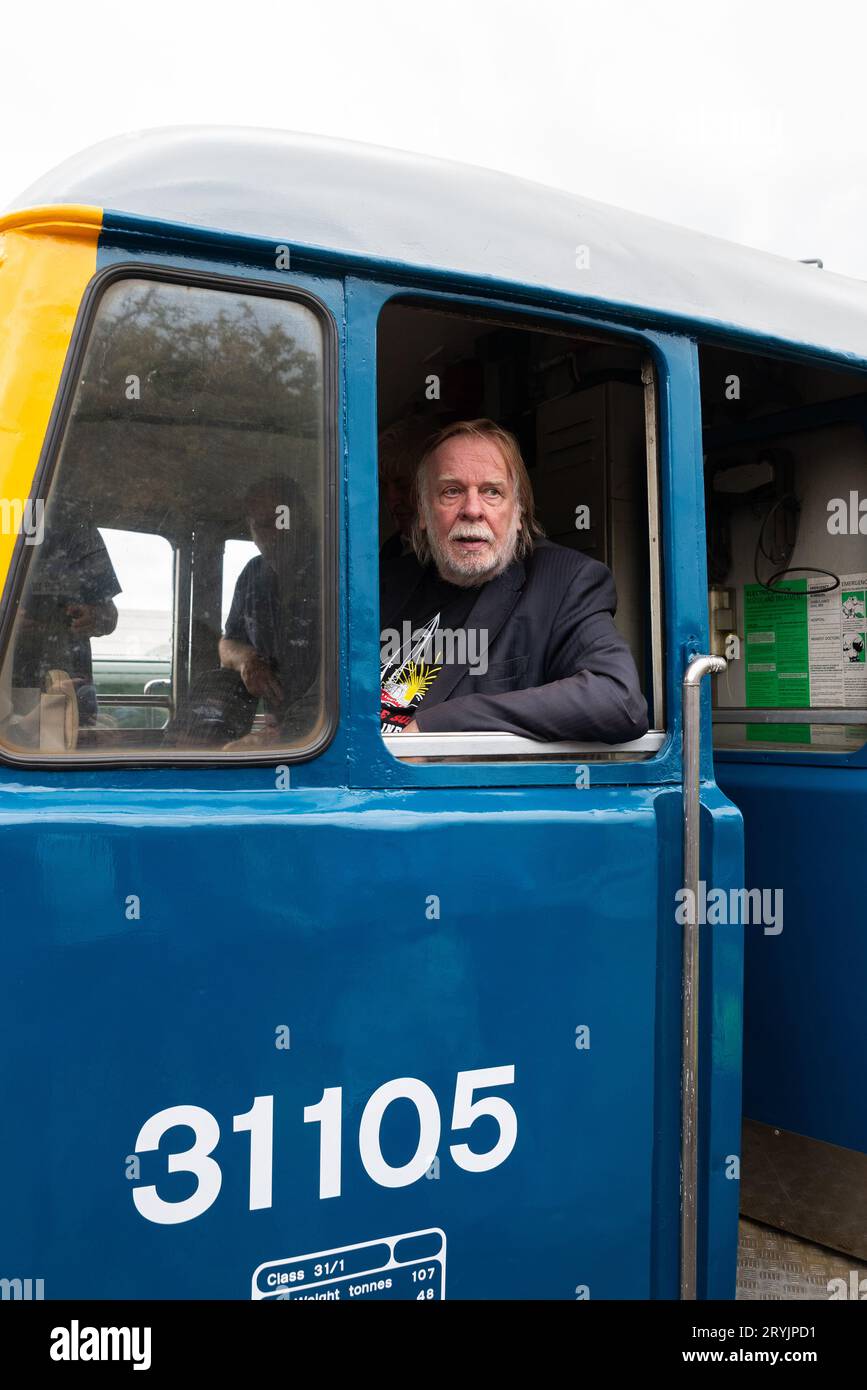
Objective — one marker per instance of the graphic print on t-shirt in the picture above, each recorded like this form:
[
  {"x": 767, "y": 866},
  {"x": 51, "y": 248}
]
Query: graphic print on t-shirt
[{"x": 406, "y": 680}]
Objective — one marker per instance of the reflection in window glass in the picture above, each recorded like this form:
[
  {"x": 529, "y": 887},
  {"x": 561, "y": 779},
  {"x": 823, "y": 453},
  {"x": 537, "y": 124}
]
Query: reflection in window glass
[
  {"x": 236, "y": 555},
  {"x": 145, "y": 601},
  {"x": 135, "y": 659},
  {"x": 145, "y": 623}
]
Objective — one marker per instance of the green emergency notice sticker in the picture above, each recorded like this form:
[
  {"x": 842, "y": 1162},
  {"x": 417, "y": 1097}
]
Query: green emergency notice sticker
[{"x": 777, "y": 653}]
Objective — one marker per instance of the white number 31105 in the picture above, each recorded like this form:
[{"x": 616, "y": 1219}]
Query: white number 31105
[{"x": 328, "y": 1114}]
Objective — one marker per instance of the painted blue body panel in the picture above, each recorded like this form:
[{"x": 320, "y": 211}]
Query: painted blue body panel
[
  {"x": 805, "y": 1063},
  {"x": 310, "y": 908},
  {"x": 252, "y": 918}
]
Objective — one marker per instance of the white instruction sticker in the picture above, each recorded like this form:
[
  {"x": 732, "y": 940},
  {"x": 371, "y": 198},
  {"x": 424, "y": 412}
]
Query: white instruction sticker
[{"x": 411, "y": 1266}]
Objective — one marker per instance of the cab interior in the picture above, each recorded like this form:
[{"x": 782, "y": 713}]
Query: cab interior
[
  {"x": 580, "y": 408},
  {"x": 785, "y": 444}
]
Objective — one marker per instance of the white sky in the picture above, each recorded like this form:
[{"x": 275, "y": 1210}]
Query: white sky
[{"x": 746, "y": 120}]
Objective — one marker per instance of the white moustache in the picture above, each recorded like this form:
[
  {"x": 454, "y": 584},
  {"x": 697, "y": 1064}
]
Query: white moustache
[{"x": 483, "y": 535}]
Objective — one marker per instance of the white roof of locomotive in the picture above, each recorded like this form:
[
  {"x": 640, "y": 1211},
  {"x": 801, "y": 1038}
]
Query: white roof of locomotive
[{"x": 432, "y": 213}]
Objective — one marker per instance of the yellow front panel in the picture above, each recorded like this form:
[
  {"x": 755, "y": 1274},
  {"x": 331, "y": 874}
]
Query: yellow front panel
[{"x": 47, "y": 257}]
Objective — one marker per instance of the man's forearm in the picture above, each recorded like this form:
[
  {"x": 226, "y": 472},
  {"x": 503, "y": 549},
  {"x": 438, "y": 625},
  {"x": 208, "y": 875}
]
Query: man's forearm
[{"x": 585, "y": 706}]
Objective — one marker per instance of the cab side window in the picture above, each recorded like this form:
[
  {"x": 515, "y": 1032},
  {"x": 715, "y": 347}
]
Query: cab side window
[
  {"x": 785, "y": 454},
  {"x": 171, "y": 599}
]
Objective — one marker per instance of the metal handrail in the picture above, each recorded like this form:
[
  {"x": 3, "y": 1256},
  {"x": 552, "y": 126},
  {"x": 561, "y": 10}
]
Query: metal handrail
[
  {"x": 698, "y": 668},
  {"x": 152, "y": 701}
]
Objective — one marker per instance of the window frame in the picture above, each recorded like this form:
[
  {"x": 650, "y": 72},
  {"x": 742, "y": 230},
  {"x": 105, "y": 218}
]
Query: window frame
[
  {"x": 512, "y": 750},
  {"x": 835, "y": 413},
  {"x": 43, "y": 481}
]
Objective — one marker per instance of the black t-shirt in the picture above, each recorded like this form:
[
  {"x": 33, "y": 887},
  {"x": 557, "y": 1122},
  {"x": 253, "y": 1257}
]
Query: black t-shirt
[{"x": 418, "y": 642}]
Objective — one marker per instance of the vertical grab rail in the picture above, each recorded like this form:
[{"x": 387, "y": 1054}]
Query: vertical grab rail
[{"x": 698, "y": 668}]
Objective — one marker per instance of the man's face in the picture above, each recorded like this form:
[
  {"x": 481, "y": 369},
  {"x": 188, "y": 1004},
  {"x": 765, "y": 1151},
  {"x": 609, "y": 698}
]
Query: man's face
[{"x": 470, "y": 512}]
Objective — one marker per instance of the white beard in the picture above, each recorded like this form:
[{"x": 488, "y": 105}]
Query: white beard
[{"x": 469, "y": 571}]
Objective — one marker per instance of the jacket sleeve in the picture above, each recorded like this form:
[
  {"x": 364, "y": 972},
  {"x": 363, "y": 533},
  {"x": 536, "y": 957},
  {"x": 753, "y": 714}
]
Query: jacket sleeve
[{"x": 591, "y": 691}]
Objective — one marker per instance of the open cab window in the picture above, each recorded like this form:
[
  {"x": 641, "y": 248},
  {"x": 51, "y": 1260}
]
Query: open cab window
[{"x": 486, "y": 678}]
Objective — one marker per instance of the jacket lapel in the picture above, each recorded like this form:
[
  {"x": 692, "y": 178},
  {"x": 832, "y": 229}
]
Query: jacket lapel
[{"x": 495, "y": 602}]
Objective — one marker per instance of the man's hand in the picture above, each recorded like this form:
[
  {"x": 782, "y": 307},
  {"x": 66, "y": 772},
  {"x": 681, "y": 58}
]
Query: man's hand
[
  {"x": 411, "y": 728},
  {"x": 255, "y": 671},
  {"x": 266, "y": 737},
  {"x": 259, "y": 679}
]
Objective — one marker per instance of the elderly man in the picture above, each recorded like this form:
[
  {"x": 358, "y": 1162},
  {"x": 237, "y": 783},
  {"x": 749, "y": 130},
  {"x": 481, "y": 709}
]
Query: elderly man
[{"x": 487, "y": 626}]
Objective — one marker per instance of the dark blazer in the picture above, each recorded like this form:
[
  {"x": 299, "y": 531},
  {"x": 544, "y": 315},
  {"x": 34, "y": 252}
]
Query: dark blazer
[{"x": 558, "y": 669}]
